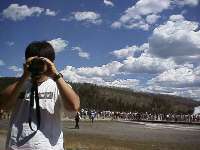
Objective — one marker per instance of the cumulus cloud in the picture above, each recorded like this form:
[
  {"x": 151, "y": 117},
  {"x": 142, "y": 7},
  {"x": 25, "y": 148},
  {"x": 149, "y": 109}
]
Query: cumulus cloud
[
  {"x": 146, "y": 64},
  {"x": 107, "y": 70},
  {"x": 187, "y": 2},
  {"x": 144, "y": 13},
  {"x": 50, "y": 12},
  {"x": 101, "y": 75},
  {"x": 151, "y": 19},
  {"x": 183, "y": 76},
  {"x": 16, "y": 12},
  {"x": 116, "y": 25},
  {"x": 70, "y": 73},
  {"x": 58, "y": 44},
  {"x": 108, "y": 3},
  {"x": 134, "y": 51},
  {"x": 15, "y": 68},
  {"x": 87, "y": 16},
  {"x": 139, "y": 15},
  {"x": 81, "y": 53},
  {"x": 123, "y": 83},
  {"x": 177, "y": 38},
  {"x": 191, "y": 92},
  {"x": 138, "y": 60},
  {"x": 168, "y": 78}
]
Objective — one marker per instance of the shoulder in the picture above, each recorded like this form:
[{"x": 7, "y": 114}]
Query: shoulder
[
  {"x": 48, "y": 85},
  {"x": 53, "y": 83}
]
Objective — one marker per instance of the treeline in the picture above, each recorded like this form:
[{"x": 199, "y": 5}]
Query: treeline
[{"x": 118, "y": 99}]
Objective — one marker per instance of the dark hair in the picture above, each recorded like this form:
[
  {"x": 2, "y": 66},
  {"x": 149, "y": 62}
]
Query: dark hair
[{"x": 40, "y": 49}]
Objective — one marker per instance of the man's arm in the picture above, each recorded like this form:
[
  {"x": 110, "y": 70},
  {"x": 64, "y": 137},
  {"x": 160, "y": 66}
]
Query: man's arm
[
  {"x": 68, "y": 95},
  {"x": 9, "y": 95}
]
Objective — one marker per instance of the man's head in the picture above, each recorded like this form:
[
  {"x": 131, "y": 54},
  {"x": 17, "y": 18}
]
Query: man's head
[
  {"x": 36, "y": 51},
  {"x": 40, "y": 49}
]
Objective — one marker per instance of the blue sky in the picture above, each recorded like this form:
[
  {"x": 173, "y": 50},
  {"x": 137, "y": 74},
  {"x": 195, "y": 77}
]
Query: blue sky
[{"x": 150, "y": 46}]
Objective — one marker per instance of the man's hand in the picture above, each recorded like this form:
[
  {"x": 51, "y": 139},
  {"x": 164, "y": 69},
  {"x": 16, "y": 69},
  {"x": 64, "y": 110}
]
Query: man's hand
[
  {"x": 27, "y": 73},
  {"x": 51, "y": 68},
  {"x": 12, "y": 92}
]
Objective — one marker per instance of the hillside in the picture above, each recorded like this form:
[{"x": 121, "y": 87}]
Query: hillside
[{"x": 117, "y": 99}]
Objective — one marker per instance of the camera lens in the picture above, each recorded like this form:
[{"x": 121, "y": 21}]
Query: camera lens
[{"x": 36, "y": 67}]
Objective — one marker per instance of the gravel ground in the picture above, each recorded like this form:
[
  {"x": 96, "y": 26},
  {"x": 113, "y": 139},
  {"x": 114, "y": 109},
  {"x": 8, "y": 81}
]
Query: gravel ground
[
  {"x": 124, "y": 136},
  {"x": 138, "y": 131}
]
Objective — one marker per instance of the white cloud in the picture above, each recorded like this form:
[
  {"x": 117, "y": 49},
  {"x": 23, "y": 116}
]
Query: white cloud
[
  {"x": 116, "y": 25},
  {"x": 187, "y": 2},
  {"x": 2, "y": 62},
  {"x": 183, "y": 76},
  {"x": 16, "y": 12},
  {"x": 138, "y": 60},
  {"x": 70, "y": 73},
  {"x": 139, "y": 15},
  {"x": 146, "y": 64},
  {"x": 96, "y": 75},
  {"x": 151, "y": 19},
  {"x": 123, "y": 83},
  {"x": 134, "y": 24},
  {"x": 177, "y": 38},
  {"x": 108, "y": 3},
  {"x": 145, "y": 7},
  {"x": 15, "y": 68},
  {"x": 125, "y": 52},
  {"x": 81, "y": 53},
  {"x": 130, "y": 51},
  {"x": 58, "y": 44},
  {"x": 87, "y": 16},
  {"x": 190, "y": 92},
  {"x": 64, "y": 19},
  {"x": 145, "y": 13},
  {"x": 19, "y": 74},
  {"x": 50, "y": 12},
  {"x": 108, "y": 70}
]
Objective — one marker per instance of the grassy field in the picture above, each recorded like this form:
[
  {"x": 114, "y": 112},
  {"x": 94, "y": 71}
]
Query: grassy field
[
  {"x": 112, "y": 135},
  {"x": 88, "y": 142}
]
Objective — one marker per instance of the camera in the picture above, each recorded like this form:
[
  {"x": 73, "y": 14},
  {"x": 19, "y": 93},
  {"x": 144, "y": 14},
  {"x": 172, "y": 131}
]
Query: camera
[{"x": 36, "y": 67}]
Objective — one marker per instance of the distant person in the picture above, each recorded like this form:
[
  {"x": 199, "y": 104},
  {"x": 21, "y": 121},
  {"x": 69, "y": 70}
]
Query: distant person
[
  {"x": 92, "y": 116},
  {"x": 37, "y": 97},
  {"x": 77, "y": 118}
]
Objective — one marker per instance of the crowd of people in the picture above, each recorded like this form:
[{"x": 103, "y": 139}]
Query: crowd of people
[
  {"x": 136, "y": 116},
  {"x": 4, "y": 114}
]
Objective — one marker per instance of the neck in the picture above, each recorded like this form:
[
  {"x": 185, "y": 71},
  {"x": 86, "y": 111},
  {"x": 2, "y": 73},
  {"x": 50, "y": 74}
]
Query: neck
[{"x": 41, "y": 79}]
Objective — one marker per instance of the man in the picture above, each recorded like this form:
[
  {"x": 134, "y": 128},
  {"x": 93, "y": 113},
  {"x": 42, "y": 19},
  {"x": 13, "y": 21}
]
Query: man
[
  {"x": 53, "y": 92},
  {"x": 77, "y": 118}
]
